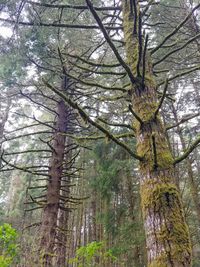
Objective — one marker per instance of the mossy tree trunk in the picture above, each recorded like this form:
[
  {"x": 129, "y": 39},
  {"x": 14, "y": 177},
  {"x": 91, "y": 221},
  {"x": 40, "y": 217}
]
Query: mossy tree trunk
[
  {"x": 50, "y": 211},
  {"x": 167, "y": 237}
]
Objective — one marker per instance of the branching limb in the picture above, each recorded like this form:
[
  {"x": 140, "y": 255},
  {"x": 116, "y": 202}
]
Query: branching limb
[
  {"x": 144, "y": 59},
  {"x": 25, "y": 135},
  {"x": 148, "y": 6},
  {"x": 183, "y": 120},
  {"x": 58, "y": 25},
  {"x": 188, "y": 151},
  {"x": 24, "y": 169},
  {"x": 86, "y": 118},
  {"x": 134, "y": 114},
  {"x": 177, "y": 49},
  {"x": 162, "y": 98},
  {"x": 94, "y": 70},
  {"x": 140, "y": 43},
  {"x": 117, "y": 124},
  {"x": 109, "y": 41},
  {"x": 94, "y": 64},
  {"x": 28, "y": 151},
  {"x": 181, "y": 74},
  {"x": 154, "y": 153},
  {"x": 98, "y": 137},
  {"x": 135, "y": 16},
  {"x": 175, "y": 30},
  {"x": 86, "y": 82},
  {"x": 76, "y": 7}
]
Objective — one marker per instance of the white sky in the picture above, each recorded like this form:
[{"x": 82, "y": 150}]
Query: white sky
[{"x": 5, "y": 32}]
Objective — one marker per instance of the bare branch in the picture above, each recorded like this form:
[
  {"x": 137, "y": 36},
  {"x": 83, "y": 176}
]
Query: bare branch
[
  {"x": 77, "y": 7},
  {"x": 134, "y": 114},
  {"x": 154, "y": 153},
  {"x": 162, "y": 98},
  {"x": 183, "y": 120},
  {"x": 58, "y": 25},
  {"x": 110, "y": 43},
  {"x": 175, "y": 30},
  {"x": 188, "y": 151},
  {"x": 86, "y": 118}
]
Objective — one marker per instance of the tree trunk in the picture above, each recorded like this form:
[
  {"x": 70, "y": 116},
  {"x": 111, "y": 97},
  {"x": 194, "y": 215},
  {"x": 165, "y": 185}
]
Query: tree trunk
[
  {"x": 137, "y": 257},
  {"x": 167, "y": 236},
  {"x": 63, "y": 216},
  {"x": 50, "y": 212}
]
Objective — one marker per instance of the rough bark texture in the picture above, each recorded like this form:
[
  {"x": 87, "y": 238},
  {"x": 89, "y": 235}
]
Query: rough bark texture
[
  {"x": 62, "y": 235},
  {"x": 167, "y": 237},
  {"x": 63, "y": 215},
  {"x": 50, "y": 212}
]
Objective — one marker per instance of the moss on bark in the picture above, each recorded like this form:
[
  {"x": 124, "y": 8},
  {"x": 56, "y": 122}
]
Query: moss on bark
[{"x": 168, "y": 241}]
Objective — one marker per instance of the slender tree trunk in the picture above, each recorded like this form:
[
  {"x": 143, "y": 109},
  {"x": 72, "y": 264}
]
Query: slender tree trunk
[
  {"x": 61, "y": 248},
  {"x": 63, "y": 216},
  {"x": 137, "y": 257},
  {"x": 50, "y": 212},
  {"x": 167, "y": 236}
]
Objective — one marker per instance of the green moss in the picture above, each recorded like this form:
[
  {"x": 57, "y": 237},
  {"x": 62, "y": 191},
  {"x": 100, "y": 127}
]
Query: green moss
[
  {"x": 164, "y": 157},
  {"x": 155, "y": 194},
  {"x": 158, "y": 194},
  {"x": 177, "y": 256},
  {"x": 159, "y": 262},
  {"x": 149, "y": 79},
  {"x": 164, "y": 199},
  {"x": 132, "y": 46}
]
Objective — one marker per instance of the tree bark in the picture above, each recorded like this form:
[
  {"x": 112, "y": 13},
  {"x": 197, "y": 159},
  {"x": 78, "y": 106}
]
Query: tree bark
[
  {"x": 50, "y": 211},
  {"x": 167, "y": 236}
]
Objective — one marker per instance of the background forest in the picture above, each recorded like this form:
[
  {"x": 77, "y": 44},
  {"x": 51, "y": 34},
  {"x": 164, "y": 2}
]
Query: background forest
[{"x": 100, "y": 133}]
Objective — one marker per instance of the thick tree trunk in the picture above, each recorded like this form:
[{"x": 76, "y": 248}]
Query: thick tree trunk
[
  {"x": 167, "y": 237},
  {"x": 50, "y": 212}
]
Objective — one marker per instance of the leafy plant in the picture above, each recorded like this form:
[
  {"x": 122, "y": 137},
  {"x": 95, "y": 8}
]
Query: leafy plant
[
  {"x": 86, "y": 255},
  {"x": 8, "y": 245}
]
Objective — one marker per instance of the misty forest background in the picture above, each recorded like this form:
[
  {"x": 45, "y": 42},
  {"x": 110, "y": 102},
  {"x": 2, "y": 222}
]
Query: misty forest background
[{"x": 100, "y": 133}]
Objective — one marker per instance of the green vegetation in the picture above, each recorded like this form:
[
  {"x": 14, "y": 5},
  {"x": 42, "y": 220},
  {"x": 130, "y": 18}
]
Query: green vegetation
[
  {"x": 95, "y": 251},
  {"x": 9, "y": 248}
]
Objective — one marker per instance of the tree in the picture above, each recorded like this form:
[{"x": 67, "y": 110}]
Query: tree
[{"x": 168, "y": 242}]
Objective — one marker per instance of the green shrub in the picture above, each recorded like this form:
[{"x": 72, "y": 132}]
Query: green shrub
[
  {"x": 86, "y": 255},
  {"x": 8, "y": 245}
]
